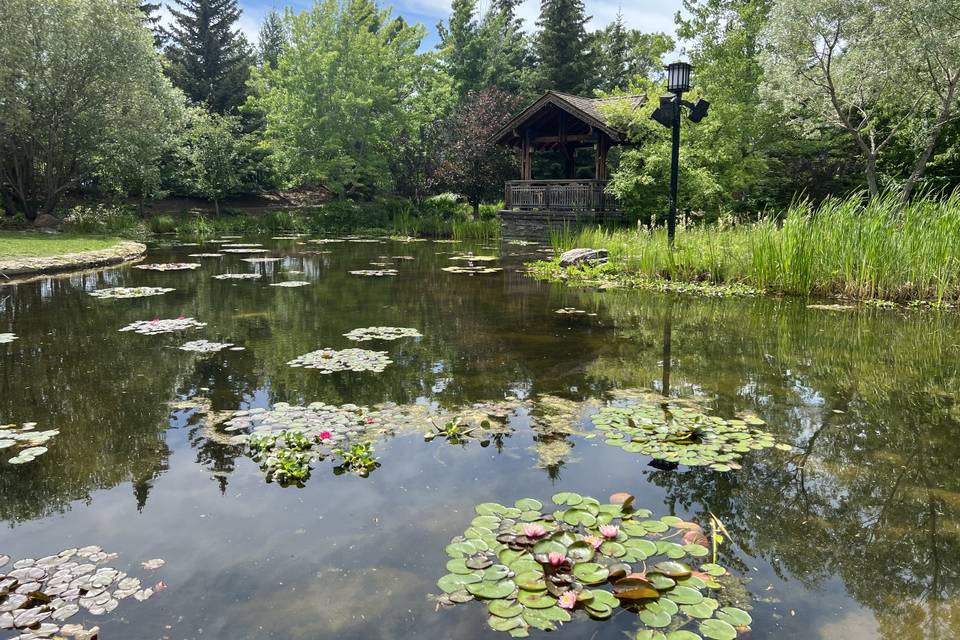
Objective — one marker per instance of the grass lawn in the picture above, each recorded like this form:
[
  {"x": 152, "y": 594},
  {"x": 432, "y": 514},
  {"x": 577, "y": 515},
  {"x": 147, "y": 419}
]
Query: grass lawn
[{"x": 29, "y": 244}]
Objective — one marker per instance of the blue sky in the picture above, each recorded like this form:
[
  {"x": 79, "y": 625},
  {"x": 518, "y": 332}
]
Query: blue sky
[{"x": 646, "y": 15}]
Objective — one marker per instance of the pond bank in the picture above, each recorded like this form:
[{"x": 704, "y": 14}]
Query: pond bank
[{"x": 23, "y": 254}]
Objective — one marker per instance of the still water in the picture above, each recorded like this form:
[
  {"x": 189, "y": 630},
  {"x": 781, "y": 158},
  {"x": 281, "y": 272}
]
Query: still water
[{"x": 854, "y": 535}]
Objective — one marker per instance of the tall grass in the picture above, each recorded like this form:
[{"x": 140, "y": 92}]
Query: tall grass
[
  {"x": 488, "y": 229},
  {"x": 854, "y": 247}
]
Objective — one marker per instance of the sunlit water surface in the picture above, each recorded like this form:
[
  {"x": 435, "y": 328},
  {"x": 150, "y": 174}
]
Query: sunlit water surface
[{"x": 854, "y": 536}]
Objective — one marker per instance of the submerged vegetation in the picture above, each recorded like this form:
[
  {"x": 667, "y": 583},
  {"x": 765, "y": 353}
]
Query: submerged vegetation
[
  {"x": 854, "y": 248},
  {"x": 536, "y": 568}
]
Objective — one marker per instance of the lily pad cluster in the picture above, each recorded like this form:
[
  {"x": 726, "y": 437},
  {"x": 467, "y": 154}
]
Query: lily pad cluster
[
  {"x": 249, "y": 250},
  {"x": 205, "y": 346},
  {"x": 243, "y": 245},
  {"x": 38, "y": 596},
  {"x": 156, "y": 327},
  {"x": 130, "y": 292},
  {"x": 533, "y": 568},
  {"x": 26, "y": 440},
  {"x": 168, "y": 266},
  {"x": 238, "y": 276},
  {"x": 471, "y": 270},
  {"x": 683, "y": 434},
  {"x": 374, "y": 273},
  {"x": 331, "y": 360},
  {"x": 7, "y": 337},
  {"x": 382, "y": 333},
  {"x": 260, "y": 260},
  {"x": 290, "y": 284},
  {"x": 205, "y": 255},
  {"x": 469, "y": 257}
]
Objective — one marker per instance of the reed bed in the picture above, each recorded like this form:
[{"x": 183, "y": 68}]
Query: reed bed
[{"x": 854, "y": 247}]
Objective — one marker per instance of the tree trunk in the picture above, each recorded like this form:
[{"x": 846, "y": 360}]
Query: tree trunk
[
  {"x": 216, "y": 208},
  {"x": 476, "y": 209},
  {"x": 932, "y": 141},
  {"x": 871, "y": 173}
]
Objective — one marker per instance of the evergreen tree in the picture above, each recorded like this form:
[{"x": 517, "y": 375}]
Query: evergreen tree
[
  {"x": 507, "y": 50},
  {"x": 562, "y": 47},
  {"x": 462, "y": 47},
  {"x": 209, "y": 58},
  {"x": 272, "y": 39},
  {"x": 615, "y": 64},
  {"x": 153, "y": 23}
]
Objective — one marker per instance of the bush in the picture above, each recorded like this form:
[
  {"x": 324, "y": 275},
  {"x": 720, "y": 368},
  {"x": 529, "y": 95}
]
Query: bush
[
  {"x": 162, "y": 224},
  {"x": 105, "y": 219}
]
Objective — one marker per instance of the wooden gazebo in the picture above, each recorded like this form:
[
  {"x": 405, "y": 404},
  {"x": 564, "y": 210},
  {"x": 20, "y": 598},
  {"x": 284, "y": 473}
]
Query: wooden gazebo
[{"x": 564, "y": 123}]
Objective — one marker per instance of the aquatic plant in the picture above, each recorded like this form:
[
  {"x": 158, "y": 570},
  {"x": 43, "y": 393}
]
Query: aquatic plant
[
  {"x": 238, "y": 276},
  {"x": 682, "y": 434},
  {"x": 205, "y": 346},
  {"x": 260, "y": 260},
  {"x": 39, "y": 595},
  {"x": 205, "y": 255},
  {"x": 358, "y": 459},
  {"x": 469, "y": 257},
  {"x": 7, "y": 337},
  {"x": 155, "y": 327},
  {"x": 330, "y": 360},
  {"x": 573, "y": 311},
  {"x": 287, "y": 464},
  {"x": 456, "y": 431},
  {"x": 168, "y": 266},
  {"x": 26, "y": 439},
  {"x": 471, "y": 270},
  {"x": 130, "y": 292},
  {"x": 250, "y": 250},
  {"x": 243, "y": 245},
  {"x": 290, "y": 284},
  {"x": 641, "y": 564},
  {"x": 382, "y": 333},
  {"x": 376, "y": 273}
]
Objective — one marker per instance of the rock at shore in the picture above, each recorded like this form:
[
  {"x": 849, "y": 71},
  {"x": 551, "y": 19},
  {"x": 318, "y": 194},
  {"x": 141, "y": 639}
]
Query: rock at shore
[
  {"x": 46, "y": 221},
  {"x": 583, "y": 255}
]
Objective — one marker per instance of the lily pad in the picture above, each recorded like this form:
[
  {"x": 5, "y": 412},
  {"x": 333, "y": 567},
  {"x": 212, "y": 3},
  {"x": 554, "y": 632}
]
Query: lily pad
[
  {"x": 331, "y": 360},
  {"x": 717, "y": 630}
]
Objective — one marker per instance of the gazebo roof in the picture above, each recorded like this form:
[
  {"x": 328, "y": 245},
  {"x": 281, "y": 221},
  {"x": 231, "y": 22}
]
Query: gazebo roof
[{"x": 587, "y": 110}]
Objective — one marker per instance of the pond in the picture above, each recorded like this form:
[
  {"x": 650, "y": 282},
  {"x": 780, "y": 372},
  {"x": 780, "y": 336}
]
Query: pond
[{"x": 850, "y": 532}]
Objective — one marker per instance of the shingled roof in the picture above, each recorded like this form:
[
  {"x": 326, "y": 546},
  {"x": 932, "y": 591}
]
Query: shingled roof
[{"x": 586, "y": 109}]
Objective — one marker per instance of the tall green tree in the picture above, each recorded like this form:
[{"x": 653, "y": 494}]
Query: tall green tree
[
  {"x": 462, "y": 47},
  {"x": 272, "y": 39},
  {"x": 562, "y": 47},
  {"x": 212, "y": 155},
  {"x": 881, "y": 71},
  {"x": 336, "y": 107},
  {"x": 82, "y": 94},
  {"x": 152, "y": 21},
  {"x": 209, "y": 57},
  {"x": 625, "y": 55}
]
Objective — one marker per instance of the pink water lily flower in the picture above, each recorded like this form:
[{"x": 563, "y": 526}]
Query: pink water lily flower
[
  {"x": 595, "y": 541},
  {"x": 534, "y": 530},
  {"x": 556, "y": 558},
  {"x": 609, "y": 531},
  {"x": 568, "y": 600},
  {"x": 325, "y": 435}
]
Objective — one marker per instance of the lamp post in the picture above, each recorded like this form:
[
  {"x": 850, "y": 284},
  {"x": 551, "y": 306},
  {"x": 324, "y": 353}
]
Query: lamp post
[{"x": 668, "y": 114}]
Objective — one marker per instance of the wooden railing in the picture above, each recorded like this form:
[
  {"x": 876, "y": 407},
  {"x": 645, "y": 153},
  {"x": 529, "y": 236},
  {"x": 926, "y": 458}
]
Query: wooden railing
[{"x": 558, "y": 195}]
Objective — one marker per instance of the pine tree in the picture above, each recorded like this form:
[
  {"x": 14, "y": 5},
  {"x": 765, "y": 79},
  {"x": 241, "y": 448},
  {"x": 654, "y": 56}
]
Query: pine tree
[
  {"x": 153, "y": 23},
  {"x": 562, "y": 47},
  {"x": 209, "y": 58},
  {"x": 462, "y": 47},
  {"x": 615, "y": 54},
  {"x": 272, "y": 39},
  {"x": 507, "y": 50}
]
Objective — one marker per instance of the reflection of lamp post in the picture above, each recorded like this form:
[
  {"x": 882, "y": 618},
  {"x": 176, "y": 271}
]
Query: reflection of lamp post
[{"x": 668, "y": 114}]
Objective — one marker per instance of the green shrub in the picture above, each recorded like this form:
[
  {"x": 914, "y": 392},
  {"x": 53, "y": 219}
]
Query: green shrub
[
  {"x": 162, "y": 224},
  {"x": 105, "y": 219}
]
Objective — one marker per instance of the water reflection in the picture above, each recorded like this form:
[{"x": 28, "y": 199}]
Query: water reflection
[{"x": 866, "y": 513}]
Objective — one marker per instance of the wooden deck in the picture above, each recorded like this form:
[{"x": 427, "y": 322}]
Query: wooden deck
[{"x": 561, "y": 196}]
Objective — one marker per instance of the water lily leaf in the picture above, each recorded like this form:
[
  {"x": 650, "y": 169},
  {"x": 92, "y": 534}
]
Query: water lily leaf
[
  {"x": 555, "y": 614},
  {"x": 461, "y": 549},
  {"x": 505, "y": 609},
  {"x": 713, "y": 569},
  {"x": 535, "y": 600},
  {"x": 549, "y": 546},
  {"x": 498, "y": 623},
  {"x": 454, "y": 582},
  {"x": 685, "y": 595},
  {"x": 458, "y": 566},
  {"x": 634, "y": 587},
  {"x": 525, "y": 565},
  {"x": 581, "y": 551},
  {"x": 682, "y": 634},
  {"x": 735, "y": 617},
  {"x": 660, "y": 581},
  {"x": 654, "y": 526},
  {"x": 613, "y": 549},
  {"x": 519, "y": 632},
  {"x": 700, "y": 610},
  {"x": 598, "y": 610},
  {"x": 623, "y": 499},
  {"x": 531, "y": 581},
  {"x": 567, "y": 498},
  {"x": 717, "y": 630},
  {"x": 528, "y": 504},
  {"x": 673, "y": 569},
  {"x": 486, "y": 522},
  {"x": 650, "y": 634},
  {"x": 577, "y": 517},
  {"x": 492, "y": 590},
  {"x": 654, "y": 617},
  {"x": 496, "y": 572},
  {"x": 590, "y": 572},
  {"x": 536, "y": 619}
]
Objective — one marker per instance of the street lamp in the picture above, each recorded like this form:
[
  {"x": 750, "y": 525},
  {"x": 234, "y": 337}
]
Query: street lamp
[{"x": 668, "y": 114}]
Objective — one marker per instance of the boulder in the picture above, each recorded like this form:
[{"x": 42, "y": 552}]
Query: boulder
[
  {"x": 579, "y": 256},
  {"x": 46, "y": 221}
]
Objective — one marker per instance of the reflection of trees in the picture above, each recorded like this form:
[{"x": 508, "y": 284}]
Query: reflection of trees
[{"x": 872, "y": 495}]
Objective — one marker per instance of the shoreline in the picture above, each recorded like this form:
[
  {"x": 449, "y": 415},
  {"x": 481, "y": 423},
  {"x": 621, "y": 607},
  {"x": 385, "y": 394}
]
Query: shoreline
[{"x": 123, "y": 251}]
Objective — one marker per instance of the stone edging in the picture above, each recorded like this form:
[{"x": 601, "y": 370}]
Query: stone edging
[{"x": 121, "y": 252}]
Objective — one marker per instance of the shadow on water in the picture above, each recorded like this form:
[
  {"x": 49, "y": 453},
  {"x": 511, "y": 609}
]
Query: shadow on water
[{"x": 854, "y": 535}]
